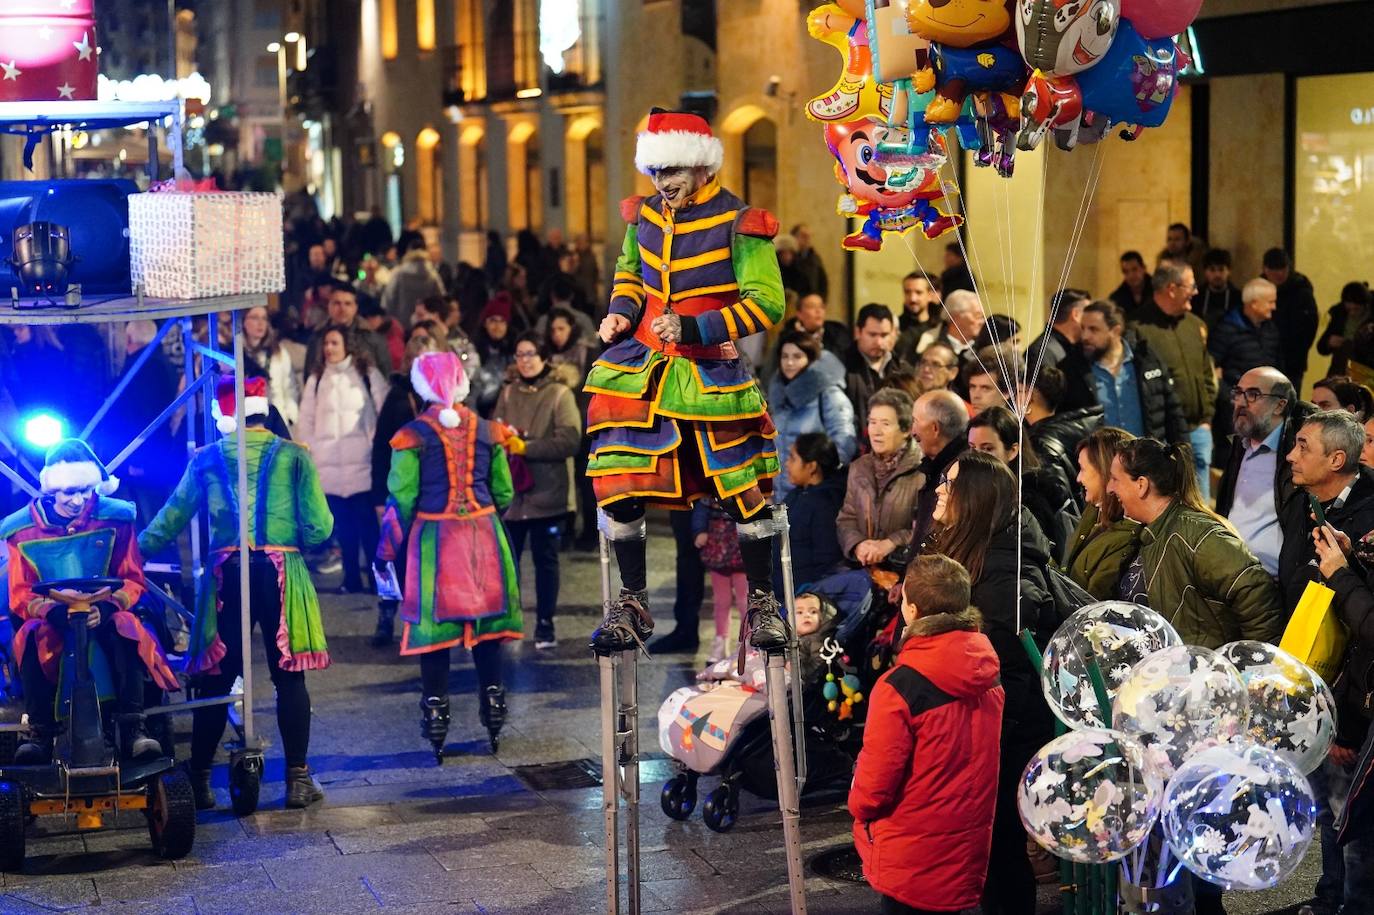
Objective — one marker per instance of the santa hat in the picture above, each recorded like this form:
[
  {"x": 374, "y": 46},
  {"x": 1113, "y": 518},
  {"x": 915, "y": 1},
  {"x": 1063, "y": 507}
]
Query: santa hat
[
  {"x": 439, "y": 378},
  {"x": 71, "y": 464},
  {"x": 222, "y": 407},
  {"x": 677, "y": 139}
]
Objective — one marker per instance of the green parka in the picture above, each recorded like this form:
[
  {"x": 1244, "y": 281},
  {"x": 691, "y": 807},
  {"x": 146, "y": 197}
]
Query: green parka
[{"x": 1095, "y": 557}]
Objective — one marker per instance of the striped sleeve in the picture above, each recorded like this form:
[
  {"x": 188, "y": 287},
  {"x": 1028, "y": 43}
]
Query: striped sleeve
[
  {"x": 760, "y": 304},
  {"x": 627, "y": 288}
]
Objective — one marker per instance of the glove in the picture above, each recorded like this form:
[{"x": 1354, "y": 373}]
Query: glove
[{"x": 515, "y": 445}]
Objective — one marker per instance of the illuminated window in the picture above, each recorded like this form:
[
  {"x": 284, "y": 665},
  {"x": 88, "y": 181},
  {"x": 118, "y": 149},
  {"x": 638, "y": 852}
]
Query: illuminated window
[
  {"x": 390, "y": 41},
  {"x": 470, "y": 39},
  {"x": 526, "y": 38},
  {"x": 424, "y": 25}
]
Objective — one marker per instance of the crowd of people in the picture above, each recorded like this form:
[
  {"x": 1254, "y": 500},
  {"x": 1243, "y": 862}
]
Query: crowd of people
[{"x": 904, "y": 460}]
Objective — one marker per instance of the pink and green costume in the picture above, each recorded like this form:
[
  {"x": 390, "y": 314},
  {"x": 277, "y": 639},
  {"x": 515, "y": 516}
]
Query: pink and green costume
[
  {"x": 461, "y": 585},
  {"x": 287, "y": 513}
]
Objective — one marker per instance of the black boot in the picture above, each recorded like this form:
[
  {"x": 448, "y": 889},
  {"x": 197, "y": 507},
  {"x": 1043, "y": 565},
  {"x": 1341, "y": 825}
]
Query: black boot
[
  {"x": 434, "y": 723},
  {"x": 544, "y": 639},
  {"x": 36, "y": 750},
  {"x": 492, "y": 711},
  {"x": 627, "y": 623},
  {"x": 766, "y": 628},
  {"x": 385, "y": 632},
  {"x": 200, "y": 788},
  {"x": 134, "y": 740},
  {"x": 301, "y": 788}
]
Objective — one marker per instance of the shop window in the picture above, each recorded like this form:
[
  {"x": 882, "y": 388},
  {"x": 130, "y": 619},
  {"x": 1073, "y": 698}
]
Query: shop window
[{"x": 390, "y": 38}]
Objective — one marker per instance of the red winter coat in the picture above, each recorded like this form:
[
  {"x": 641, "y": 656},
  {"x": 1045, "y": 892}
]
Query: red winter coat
[{"x": 926, "y": 780}]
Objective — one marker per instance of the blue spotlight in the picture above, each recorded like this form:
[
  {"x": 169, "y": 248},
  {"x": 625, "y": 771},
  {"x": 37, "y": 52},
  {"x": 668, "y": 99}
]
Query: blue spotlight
[{"x": 43, "y": 430}]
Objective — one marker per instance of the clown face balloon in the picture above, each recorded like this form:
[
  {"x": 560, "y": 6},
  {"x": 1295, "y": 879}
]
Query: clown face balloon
[
  {"x": 1114, "y": 633},
  {"x": 1181, "y": 700},
  {"x": 1062, "y": 37},
  {"x": 1292, "y": 710},
  {"x": 1239, "y": 816},
  {"x": 1088, "y": 796}
]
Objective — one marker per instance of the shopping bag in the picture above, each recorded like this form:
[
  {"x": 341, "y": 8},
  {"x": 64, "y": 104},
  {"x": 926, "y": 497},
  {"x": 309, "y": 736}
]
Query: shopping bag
[{"x": 1315, "y": 634}]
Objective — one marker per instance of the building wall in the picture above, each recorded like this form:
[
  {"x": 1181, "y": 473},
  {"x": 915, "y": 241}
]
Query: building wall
[{"x": 1245, "y": 203}]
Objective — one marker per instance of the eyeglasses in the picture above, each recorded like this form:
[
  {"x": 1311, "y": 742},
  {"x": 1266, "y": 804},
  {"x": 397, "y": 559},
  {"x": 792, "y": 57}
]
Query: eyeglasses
[
  {"x": 935, "y": 364},
  {"x": 1251, "y": 394},
  {"x": 524, "y": 354}
]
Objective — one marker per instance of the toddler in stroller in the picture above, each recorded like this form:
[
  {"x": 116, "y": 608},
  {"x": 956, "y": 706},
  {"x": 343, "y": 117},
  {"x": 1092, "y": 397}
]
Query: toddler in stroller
[{"x": 720, "y": 725}]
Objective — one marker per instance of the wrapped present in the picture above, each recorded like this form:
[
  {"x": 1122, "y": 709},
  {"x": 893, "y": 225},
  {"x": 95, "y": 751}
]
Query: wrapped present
[
  {"x": 48, "y": 51},
  {"x": 194, "y": 245}
]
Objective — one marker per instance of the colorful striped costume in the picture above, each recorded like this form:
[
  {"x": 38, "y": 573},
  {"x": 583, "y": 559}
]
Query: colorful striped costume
[
  {"x": 461, "y": 585},
  {"x": 671, "y": 423}
]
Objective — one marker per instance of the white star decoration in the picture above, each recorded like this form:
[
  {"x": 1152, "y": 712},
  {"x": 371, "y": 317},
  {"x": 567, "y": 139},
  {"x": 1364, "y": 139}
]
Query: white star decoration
[
  {"x": 83, "y": 47},
  {"x": 65, "y": 90},
  {"x": 45, "y": 33},
  {"x": 11, "y": 71}
]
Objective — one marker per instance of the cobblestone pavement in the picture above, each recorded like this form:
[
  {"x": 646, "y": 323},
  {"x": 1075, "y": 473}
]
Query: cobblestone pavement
[{"x": 398, "y": 832}]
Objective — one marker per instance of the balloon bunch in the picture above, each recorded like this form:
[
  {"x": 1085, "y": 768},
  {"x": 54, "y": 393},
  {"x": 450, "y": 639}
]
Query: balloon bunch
[
  {"x": 1002, "y": 73},
  {"x": 1208, "y": 749}
]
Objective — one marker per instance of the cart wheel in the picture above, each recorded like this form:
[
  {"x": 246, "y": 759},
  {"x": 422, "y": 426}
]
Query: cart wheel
[
  {"x": 13, "y": 819},
  {"x": 679, "y": 797},
  {"x": 172, "y": 815},
  {"x": 245, "y": 782},
  {"x": 721, "y": 809}
]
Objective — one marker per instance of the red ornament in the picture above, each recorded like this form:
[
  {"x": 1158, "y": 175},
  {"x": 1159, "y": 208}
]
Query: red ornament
[{"x": 48, "y": 51}]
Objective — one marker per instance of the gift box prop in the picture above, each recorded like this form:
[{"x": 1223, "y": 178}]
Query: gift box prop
[
  {"x": 200, "y": 244},
  {"x": 95, "y": 213},
  {"x": 48, "y": 51}
]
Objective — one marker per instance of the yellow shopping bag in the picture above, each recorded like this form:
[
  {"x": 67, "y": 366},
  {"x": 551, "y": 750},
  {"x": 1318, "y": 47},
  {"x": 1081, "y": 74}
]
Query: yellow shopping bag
[{"x": 1315, "y": 635}]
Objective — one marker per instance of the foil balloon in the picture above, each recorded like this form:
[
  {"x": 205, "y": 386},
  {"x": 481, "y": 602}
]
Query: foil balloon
[
  {"x": 1292, "y": 710},
  {"x": 1115, "y": 634},
  {"x": 856, "y": 94},
  {"x": 1088, "y": 796},
  {"x": 889, "y": 200},
  {"x": 968, "y": 53},
  {"x": 1179, "y": 701},
  {"x": 1241, "y": 817},
  {"x": 1160, "y": 18},
  {"x": 1063, "y": 37},
  {"x": 1134, "y": 83}
]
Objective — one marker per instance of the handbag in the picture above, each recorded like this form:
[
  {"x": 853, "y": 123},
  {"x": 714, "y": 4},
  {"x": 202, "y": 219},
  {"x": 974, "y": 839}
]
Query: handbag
[{"x": 1315, "y": 634}]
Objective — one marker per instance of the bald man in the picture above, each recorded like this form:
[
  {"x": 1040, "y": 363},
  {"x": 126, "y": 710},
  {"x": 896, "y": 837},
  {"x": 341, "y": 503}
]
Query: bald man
[{"x": 1258, "y": 483}]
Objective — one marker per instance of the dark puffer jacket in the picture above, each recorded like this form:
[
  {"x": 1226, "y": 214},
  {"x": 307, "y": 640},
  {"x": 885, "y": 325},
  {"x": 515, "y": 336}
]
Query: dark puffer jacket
[
  {"x": 1159, "y": 404},
  {"x": 1238, "y": 346},
  {"x": 1056, "y": 440}
]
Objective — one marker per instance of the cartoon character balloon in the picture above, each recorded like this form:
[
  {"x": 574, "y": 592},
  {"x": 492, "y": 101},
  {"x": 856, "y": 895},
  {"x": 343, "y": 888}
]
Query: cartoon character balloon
[
  {"x": 1160, "y": 18},
  {"x": 1089, "y": 797},
  {"x": 890, "y": 201},
  {"x": 1241, "y": 817},
  {"x": 1181, "y": 700},
  {"x": 1117, "y": 634},
  {"x": 856, "y": 94},
  {"x": 1135, "y": 82},
  {"x": 1063, "y": 37},
  {"x": 968, "y": 53},
  {"x": 1292, "y": 710}
]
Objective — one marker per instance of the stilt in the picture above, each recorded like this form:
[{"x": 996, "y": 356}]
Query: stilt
[
  {"x": 619, "y": 757},
  {"x": 789, "y": 794}
]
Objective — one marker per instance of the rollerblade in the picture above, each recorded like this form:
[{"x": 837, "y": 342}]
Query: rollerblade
[
  {"x": 134, "y": 740},
  {"x": 627, "y": 624},
  {"x": 301, "y": 788},
  {"x": 766, "y": 629},
  {"x": 492, "y": 712},
  {"x": 434, "y": 724}
]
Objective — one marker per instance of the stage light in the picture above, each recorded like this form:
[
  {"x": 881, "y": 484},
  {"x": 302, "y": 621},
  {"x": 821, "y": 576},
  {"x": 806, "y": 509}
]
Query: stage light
[
  {"x": 42, "y": 256},
  {"x": 43, "y": 430}
]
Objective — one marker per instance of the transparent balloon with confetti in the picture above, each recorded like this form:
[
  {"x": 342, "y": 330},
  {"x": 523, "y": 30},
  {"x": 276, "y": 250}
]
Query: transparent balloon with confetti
[
  {"x": 1292, "y": 710},
  {"x": 1088, "y": 796},
  {"x": 1240, "y": 816},
  {"x": 1117, "y": 635},
  {"x": 1181, "y": 700}
]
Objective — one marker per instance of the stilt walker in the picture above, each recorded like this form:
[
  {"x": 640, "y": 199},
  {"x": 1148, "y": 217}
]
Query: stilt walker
[
  {"x": 675, "y": 416},
  {"x": 448, "y": 478}
]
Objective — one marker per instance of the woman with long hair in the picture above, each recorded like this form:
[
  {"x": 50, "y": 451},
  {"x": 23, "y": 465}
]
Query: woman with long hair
[
  {"x": 979, "y": 525},
  {"x": 1105, "y": 536},
  {"x": 261, "y": 345},
  {"x": 807, "y": 395},
  {"x": 569, "y": 354},
  {"x": 1341, "y": 392},
  {"x": 343, "y": 396},
  {"x": 1192, "y": 568}
]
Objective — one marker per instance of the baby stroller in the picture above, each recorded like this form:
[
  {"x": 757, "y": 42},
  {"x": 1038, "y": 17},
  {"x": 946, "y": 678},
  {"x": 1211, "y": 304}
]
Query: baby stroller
[{"x": 720, "y": 728}]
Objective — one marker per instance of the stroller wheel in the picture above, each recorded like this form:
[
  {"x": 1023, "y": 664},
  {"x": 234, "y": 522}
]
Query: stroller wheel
[
  {"x": 721, "y": 808},
  {"x": 679, "y": 796}
]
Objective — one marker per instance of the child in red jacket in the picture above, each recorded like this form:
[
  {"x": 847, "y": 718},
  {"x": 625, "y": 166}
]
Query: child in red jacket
[{"x": 926, "y": 781}]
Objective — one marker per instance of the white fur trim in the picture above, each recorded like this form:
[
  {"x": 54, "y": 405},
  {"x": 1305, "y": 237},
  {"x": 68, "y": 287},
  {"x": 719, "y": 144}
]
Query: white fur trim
[
  {"x": 421, "y": 385},
  {"x": 448, "y": 418},
  {"x": 70, "y": 475},
  {"x": 253, "y": 406},
  {"x": 225, "y": 424},
  {"x": 109, "y": 487},
  {"x": 460, "y": 394},
  {"x": 678, "y": 148}
]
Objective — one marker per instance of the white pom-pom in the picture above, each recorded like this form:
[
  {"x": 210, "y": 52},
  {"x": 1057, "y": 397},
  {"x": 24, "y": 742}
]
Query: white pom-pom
[
  {"x": 226, "y": 425},
  {"x": 108, "y": 487},
  {"x": 448, "y": 418}
]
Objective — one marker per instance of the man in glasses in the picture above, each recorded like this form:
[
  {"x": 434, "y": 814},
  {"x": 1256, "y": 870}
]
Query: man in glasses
[
  {"x": 73, "y": 529},
  {"x": 1257, "y": 483}
]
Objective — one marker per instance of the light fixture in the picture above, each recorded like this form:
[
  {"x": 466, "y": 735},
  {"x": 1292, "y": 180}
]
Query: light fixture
[
  {"x": 43, "y": 430},
  {"x": 42, "y": 256},
  {"x": 292, "y": 36},
  {"x": 530, "y": 93},
  {"x": 274, "y": 47}
]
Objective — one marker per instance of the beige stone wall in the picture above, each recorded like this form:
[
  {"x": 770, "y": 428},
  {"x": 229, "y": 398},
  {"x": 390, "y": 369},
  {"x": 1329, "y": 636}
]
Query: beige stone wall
[{"x": 1245, "y": 209}]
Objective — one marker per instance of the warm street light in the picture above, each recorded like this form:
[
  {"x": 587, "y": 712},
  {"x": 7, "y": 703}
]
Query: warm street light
[
  {"x": 274, "y": 47},
  {"x": 292, "y": 36}
]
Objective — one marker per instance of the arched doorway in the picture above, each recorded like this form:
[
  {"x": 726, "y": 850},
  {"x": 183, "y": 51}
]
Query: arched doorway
[
  {"x": 760, "y": 186},
  {"x": 393, "y": 196},
  {"x": 429, "y": 174},
  {"x": 584, "y": 159},
  {"x": 526, "y": 198},
  {"x": 472, "y": 169}
]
